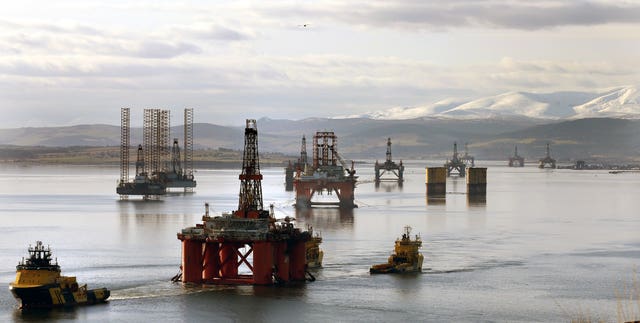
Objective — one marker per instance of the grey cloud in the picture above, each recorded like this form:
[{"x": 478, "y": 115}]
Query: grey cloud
[
  {"x": 222, "y": 33},
  {"x": 158, "y": 49},
  {"x": 524, "y": 15}
]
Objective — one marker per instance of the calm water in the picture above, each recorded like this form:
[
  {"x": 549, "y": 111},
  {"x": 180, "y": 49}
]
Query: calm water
[{"x": 544, "y": 245}]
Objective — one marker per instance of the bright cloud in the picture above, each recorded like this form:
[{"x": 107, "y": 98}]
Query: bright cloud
[{"x": 80, "y": 61}]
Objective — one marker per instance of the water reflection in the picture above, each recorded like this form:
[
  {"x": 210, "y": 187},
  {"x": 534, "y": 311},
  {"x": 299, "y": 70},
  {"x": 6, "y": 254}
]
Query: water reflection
[
  {"x": 435, "y": 199},
  {"x": 388, "y": 186},
  {"x": 326, "y": 218},
  {"x": 45, "y": 314},
  {"x": 476, "y": 200}
]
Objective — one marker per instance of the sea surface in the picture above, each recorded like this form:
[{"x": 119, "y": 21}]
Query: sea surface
[{"x": 545, "y": 245}]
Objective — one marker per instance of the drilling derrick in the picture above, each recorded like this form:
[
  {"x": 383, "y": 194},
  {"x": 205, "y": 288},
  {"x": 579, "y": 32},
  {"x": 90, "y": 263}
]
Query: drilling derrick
[
  {"x": 469, "y": 160},
  {"x": 176, "y": 165},
  {"x": 250, "y": 202},
  {"x": 248, "y": 246},
  {"x": 326, "y": 175},
  {"x": 516, "y": 160},
  {"x": 455, "y": 163},
  {"x": 389, "y": 167},
  {"x": 298, "y": 166},
  {"x": 547, "y": 161}
]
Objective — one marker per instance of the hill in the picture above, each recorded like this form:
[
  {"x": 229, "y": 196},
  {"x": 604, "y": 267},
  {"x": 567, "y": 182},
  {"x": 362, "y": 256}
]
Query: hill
[{"x": 362, "y": 138}]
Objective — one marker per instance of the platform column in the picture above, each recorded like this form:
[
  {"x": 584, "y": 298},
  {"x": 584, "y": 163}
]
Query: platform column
[
  {"x": 436, "y": 181},
  {"x": 191, "y": 261},
  {"x": 228, "y": 260},
  {"x": 211, "y": 261},
  {"x": 282, "y": 261},
  {"x": 477, "y": 181},
  {"x": 297, "y": 260},
  {"x": 262, "y": 263}
]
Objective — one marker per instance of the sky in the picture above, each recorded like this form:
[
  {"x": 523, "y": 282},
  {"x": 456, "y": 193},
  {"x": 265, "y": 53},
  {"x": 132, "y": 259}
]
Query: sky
[{"x": 73, "y": 62}]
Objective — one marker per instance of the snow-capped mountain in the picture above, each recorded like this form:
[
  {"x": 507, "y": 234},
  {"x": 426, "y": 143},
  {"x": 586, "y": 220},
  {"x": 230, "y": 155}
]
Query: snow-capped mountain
[
  {"x": 615, "y": 102},
  {"x": 618, "y": 102}
]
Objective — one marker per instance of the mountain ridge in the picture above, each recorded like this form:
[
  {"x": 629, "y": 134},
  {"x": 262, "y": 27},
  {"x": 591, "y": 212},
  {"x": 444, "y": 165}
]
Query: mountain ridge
[
  {"x": 620, "y": 102},
  {"x": 420, "y": 138}
]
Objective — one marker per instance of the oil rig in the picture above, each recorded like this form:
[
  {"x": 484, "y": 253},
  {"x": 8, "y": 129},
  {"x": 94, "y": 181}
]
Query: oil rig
[
  {"x": 547, "y": 161},
  {"x": 158, "y": 167},
  {"x": 297, "y": 166},
  {"x": 389, "y": 166},
  {"x": 247, "y": 246},
  {"x": 326, "y": 175},
  {"x": 516, "y": 160},
  {"x": 455, "y": 163}
]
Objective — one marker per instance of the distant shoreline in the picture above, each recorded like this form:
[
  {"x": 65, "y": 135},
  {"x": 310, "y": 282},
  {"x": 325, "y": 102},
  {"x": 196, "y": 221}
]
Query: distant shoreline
[{"x": 110, "y": 156}]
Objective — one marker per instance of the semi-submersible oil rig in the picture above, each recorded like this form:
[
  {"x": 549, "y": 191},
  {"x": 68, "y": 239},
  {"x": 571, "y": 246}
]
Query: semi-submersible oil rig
[
  {"x": 247, "y": 246},
  {"x": 158, "y": 166},
  {"x": 328, "y": 173}
]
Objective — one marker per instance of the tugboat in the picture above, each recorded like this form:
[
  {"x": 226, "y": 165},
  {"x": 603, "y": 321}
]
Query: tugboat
[
  {"x": 39, "y": 283},
  {"x": 406, "y": 258}
]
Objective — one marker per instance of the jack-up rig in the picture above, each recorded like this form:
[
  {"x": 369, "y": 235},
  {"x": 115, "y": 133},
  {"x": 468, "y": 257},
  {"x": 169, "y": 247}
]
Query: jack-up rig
[
  {"x": 455, "y": 163},
  {"x": 298, "y": 165},
  {"x": 547, "y": 161},
  {"x": 157, "y": 166},
  {"x": 516, "y": 160},
  {"x": 325, "y": 175},
  {"x": 248, "y": 246},
  {"x": 389, "y": 166}
]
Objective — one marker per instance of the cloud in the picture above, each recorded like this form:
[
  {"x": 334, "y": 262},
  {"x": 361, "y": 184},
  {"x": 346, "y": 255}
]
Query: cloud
[
  {"x": 160, "y": 49},
  {"x": 437, "y": 15}
]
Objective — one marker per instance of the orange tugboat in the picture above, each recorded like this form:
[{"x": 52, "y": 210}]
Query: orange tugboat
[
  {"x": 406, "y": 258},
  {"x": 39, "y": 283}
]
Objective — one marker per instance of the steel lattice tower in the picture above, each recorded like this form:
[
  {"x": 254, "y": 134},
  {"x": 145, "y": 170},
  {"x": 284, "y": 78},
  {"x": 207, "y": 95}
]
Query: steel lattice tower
[
  {"x": 389, "y": 151},
  {"x": 164, "y": 140},
  {"x": 188, "y": 143},
  {"x": 324, "y": 154},
  {"x": 303, "y": 151},
  {"x": 156, "y": 137},
  {"x": 250, "y": 178},
  {"x": 125, "y": 142}
]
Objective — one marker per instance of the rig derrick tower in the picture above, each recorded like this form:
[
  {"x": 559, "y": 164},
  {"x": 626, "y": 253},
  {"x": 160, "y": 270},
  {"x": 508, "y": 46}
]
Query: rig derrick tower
[
  {"x": 516, "y": 160},
  {"x": 389, "y": 166},
  {"x": 455, "y": 163},
  {"x": 469, "y": 160},
  {"x": 547, "y": 161},
  {"x": 250, "y": 201},
  {"x": 299, "y": 166}
]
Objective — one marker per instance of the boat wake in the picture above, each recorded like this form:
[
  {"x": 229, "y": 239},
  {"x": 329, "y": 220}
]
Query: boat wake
[{"x": 480, "y": 266}]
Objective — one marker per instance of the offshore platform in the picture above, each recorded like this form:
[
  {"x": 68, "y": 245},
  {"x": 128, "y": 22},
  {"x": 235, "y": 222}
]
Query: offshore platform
[
  {"x": 467, "y": 159},
  {"x": 247, "y": 246},
  {"x": 547, "y": 161},
  {"x": 455, "y": 163},
  {"x": 516, "y": 160},
  {"x": 325, "y": 175},
  {"x": 389, "y": 166},
  {"x": 298, "y": 166},
  {"x": 158, "y": 167}
]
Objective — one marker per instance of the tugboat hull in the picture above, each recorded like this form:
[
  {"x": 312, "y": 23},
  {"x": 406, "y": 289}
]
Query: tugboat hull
[{"x": 48, "y": 296}]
